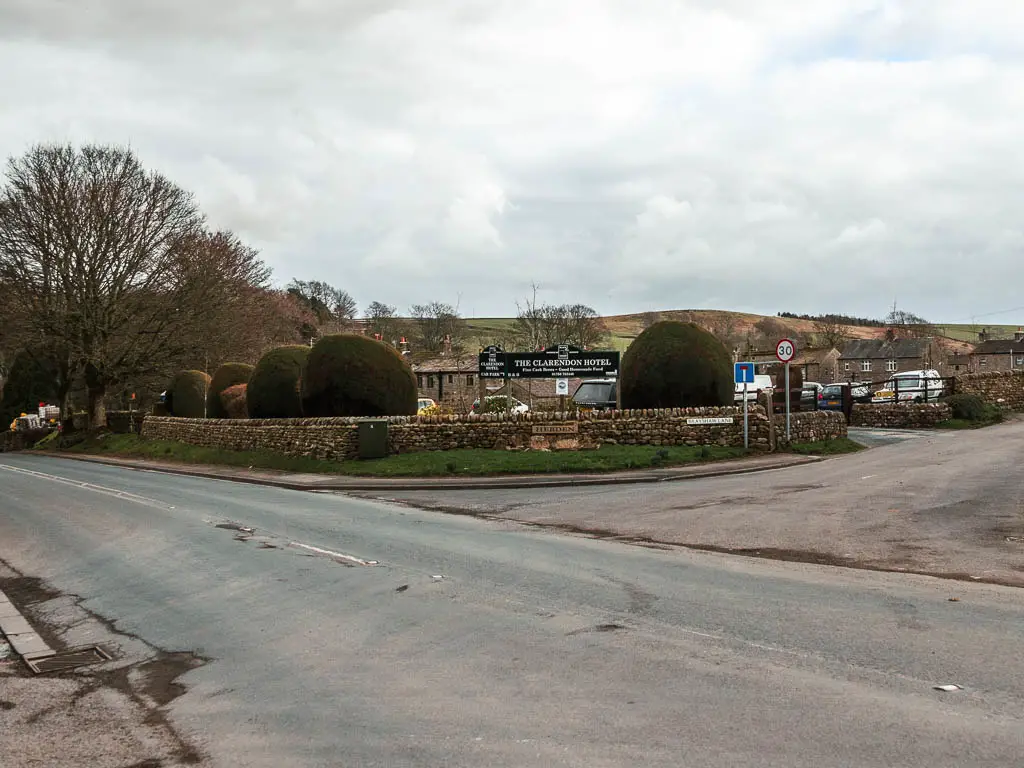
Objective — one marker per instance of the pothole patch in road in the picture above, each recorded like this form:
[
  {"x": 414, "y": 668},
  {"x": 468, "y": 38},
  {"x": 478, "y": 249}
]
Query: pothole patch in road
[
  {"x": 247, "y": 533},
  {"x": 599, "y": 628}
]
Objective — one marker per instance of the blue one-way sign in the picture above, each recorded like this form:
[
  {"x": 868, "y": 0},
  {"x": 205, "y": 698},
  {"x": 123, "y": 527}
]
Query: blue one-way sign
[{"x": 743, "y": 373}]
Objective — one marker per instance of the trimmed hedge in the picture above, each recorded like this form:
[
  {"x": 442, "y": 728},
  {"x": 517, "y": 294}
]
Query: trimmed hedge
[
  {"x": 232, "y": 401},
  {"x": 349, "y": 375},
  {"x": 186, "y": 395},
  {"x": 274, "y": 390},
  {"x": 676, "y": 365},
  {"x": 228, "y": 375}
]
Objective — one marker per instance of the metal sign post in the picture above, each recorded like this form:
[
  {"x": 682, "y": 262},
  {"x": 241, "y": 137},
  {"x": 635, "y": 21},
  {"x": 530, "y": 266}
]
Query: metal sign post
[
  {"x": 785, "y": 350},
  {"x": 743, "y": 373},
  {"x": 746, "y": 423}
]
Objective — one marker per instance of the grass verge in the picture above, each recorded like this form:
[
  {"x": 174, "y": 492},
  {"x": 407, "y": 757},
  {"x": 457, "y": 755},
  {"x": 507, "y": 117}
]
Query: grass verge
[
  {"x": 608, "y": 458},
  {"x": 967, "y": 423},
  {"x": 827, "y": 447}
]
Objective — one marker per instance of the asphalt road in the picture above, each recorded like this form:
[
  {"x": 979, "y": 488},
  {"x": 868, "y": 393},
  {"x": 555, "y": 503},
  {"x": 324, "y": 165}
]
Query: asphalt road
[
  {"x": 531, "y": 649},
  {"x": 943, "y": 502}
]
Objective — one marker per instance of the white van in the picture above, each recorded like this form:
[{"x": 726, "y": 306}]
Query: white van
[
  {"x": 911, "y": 387},
  {"x": 762, "y": 383}
]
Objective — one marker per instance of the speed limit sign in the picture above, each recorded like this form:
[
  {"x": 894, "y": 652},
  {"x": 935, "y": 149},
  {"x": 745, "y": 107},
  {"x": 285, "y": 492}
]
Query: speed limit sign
[{"x": 785, "y": 350}]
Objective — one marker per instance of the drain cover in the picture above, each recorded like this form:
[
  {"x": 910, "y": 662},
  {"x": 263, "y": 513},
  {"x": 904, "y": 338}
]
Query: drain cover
[{"x": 68, "y": 660}]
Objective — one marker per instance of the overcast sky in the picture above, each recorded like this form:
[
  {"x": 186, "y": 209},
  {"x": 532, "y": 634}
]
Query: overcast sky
[{"x": 803, "y": 155}]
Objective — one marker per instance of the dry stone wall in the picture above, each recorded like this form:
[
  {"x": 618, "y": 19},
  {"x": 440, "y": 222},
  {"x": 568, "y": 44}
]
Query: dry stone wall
[
  {"x": 337, "y": 438},
  {"x": 1002, "y": 388},
  {"x": 901, "y": 416},
  {"x": 811, "y": 426}
]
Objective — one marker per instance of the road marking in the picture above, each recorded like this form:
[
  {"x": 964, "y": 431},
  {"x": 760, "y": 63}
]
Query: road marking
[
  {"x": 330, "y": 553},
  {"x": 117, "y": 493}
]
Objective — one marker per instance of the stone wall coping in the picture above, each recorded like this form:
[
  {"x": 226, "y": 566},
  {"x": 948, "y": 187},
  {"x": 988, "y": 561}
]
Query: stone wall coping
[
  {"x": 989, "y": 375},
  {"x": 484, "y": 418},
  {"x": 902, "y": 407}
]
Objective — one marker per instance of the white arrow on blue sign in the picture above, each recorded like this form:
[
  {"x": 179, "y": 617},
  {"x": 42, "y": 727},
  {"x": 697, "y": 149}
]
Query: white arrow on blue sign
[{"x": 743, "y": 373}]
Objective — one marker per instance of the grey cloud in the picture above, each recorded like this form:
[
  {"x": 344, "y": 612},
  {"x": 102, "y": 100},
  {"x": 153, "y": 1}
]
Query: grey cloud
[{"x": 760, "y": 156}]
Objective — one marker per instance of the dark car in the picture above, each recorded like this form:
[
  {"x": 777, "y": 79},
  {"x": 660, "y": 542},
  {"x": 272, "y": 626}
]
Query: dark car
[
  {"x": 598, "y": 394},
  {"x": 831, "y": 398}
]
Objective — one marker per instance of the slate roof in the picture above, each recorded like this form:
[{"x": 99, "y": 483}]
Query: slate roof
[
  {"x": 999, "y": 347},
  {"x": 452, "y": 364},
  {"x": 880, "y": 349}
]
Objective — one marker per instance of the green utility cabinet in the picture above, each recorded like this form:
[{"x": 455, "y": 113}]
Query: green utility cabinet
[{"x": 373, "y": 439}]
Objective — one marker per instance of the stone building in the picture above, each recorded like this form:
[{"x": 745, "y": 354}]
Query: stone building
[
  {"x": 450, "y": 380},
  {"x": 877, "y": 359},
  {"x": 818, "y": 364},
  {"x": 999, "y": 355}
]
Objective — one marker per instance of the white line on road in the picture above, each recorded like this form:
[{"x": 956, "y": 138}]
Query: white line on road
[
  {"x": 329, "y": 553},
  {"x": 125, "y": 495}
]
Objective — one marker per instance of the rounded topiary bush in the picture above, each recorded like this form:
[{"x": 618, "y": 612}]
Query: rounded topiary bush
[
  {"x": 228, "y": 375},
  {"x": 676, "y": 365},
  {"x": 274, "y": 390},
  {"x": 186, "y": 395},
  {"x": 348, "y": 375},
  {"x": 232, "y": 400}
]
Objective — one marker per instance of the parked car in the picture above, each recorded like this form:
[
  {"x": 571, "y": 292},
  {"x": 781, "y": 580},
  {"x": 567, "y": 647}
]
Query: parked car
[
  {"x": 831, "y": 398},
  {"x": 762, "y": 383},
  {"x": 497, "y": 403},
  {"x": 809, "y": 395},
  {"x": 911, "y": 387},
  {"x": 423, "y": 404},
  {"x": 861, "y": 392},
  {"x": 597, "y": 394}
]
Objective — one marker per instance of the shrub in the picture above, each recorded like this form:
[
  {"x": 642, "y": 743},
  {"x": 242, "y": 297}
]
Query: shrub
[
  {"x": 228, "y": 375},
  {"x": 186, "y": 395},
  {"x": 676, "y": 365},
  {"x": 968, "y": 407},
  {"x": 31, "y": 381},
  {"x": 494, "y": 404},
  {"x": 275, "y": 386},
  {"x": 232, "y": 402},
  {"x": 349, "y": 375}
]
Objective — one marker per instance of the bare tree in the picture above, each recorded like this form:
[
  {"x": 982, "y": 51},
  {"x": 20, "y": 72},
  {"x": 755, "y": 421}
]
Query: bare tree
[
  {"x": 538, "y": 326},
  {"x": 901, "y": 323},
  {"x": 113, "y": 265},
  {"x": 382, "y": 321},
  {"x": 529, "y": 329},
  {"x": 334, "y": 309},
  {"x": 437, "y": 327},
  {"x": 829, "y": 331},
  {"x": 581, "y": 326}
]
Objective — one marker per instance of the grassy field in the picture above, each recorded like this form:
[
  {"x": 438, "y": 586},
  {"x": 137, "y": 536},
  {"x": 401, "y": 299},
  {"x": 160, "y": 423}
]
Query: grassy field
[
  {"x": 624, "y": 328},
  {"x": 438, "y": 463},
  {"x": 969, "y": 332}
]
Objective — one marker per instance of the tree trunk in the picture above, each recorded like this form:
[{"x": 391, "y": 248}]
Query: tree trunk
[{"x": 97, "y": 408}]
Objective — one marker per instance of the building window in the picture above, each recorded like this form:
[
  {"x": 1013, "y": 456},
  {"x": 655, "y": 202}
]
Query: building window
[
  {"x": 983, "y": 362},
  {"x": 451, "y": 379},
  {"x": 891, "y": 366},
  {"x": 846, "y": 366},
  {"x": 419, "y": 380},
  {"x": 865, "y": 366},
  {"x": 430, "y": 382},
  {"x": 469, "y": 380},
  {"x": 1020, "y": 361}
]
